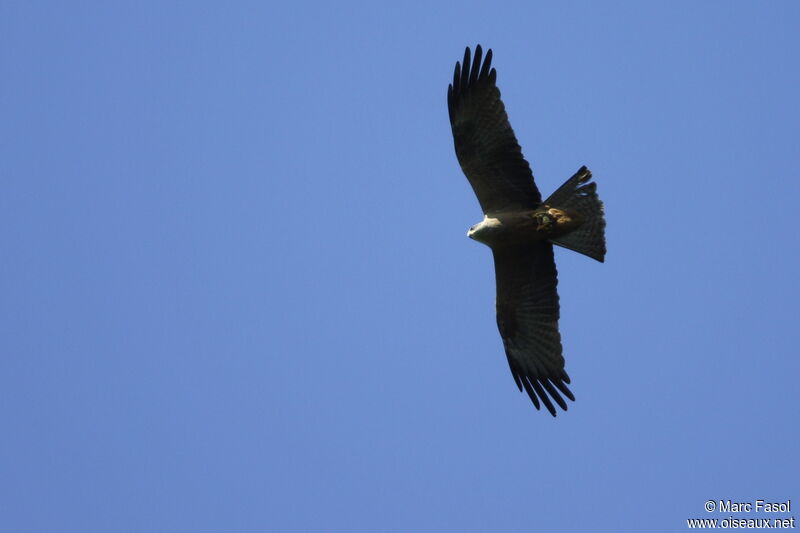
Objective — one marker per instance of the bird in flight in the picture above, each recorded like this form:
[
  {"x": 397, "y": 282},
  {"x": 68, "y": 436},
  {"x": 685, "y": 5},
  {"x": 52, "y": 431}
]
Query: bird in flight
[{"x": 521, "y": 229}]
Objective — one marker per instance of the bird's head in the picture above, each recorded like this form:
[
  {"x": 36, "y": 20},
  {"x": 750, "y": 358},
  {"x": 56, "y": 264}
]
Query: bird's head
[{"x": 484, "y": 230}]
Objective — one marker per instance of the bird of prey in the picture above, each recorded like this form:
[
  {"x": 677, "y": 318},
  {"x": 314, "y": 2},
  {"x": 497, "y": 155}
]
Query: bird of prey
[{"x": 521, "y": 229}]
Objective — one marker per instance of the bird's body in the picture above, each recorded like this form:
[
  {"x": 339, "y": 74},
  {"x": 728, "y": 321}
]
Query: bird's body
[
  {"x": 518, "y": 227},
  {"x": 521, "y": 229}
]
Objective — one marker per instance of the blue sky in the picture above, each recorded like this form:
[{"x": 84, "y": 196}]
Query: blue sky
[{"x": 238, "y": 295}]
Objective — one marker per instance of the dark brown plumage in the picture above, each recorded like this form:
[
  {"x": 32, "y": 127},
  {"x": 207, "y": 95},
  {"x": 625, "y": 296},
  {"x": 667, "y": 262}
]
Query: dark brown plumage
[
  {"x": 485, "y": 144},
  {"x": 520, "y": 229}
]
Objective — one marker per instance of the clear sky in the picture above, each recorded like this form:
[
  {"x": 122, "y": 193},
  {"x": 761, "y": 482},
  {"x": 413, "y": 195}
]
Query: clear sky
[{"x": 237, "y": 292}]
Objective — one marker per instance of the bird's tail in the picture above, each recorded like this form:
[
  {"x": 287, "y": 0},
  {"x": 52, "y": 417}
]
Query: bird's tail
[{"x": 579, "y": 196}]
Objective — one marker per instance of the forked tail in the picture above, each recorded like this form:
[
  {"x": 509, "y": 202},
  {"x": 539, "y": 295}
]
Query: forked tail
[{"x": 579, "y": 196}]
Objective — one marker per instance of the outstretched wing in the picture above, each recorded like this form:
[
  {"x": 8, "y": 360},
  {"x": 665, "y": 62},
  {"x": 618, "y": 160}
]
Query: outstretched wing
[
  {"x": 486, "y": 147},
  {"x": 527, "y": 316}
]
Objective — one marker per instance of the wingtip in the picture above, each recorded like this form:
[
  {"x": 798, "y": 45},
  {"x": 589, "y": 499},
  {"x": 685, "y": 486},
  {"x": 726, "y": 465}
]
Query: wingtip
[
  {"x": 472, "y": 69},
  {"x": 530, "y": 391},
  {"x": 465, "y": 68},
  {"x": 540, "y": 391},
  {"x": 543, "y": 396},
  {"x": 548, "y": 386},
  {"x": 564, "y": 389}
]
